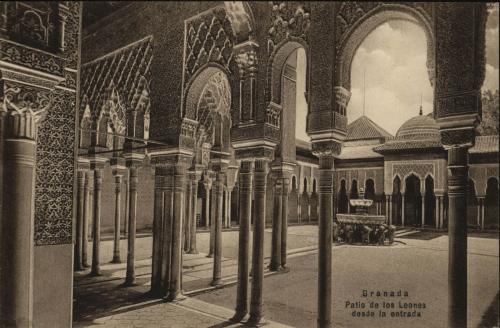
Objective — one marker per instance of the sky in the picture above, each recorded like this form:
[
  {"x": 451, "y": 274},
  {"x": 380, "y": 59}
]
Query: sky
[{"x": 393, "y": 59}]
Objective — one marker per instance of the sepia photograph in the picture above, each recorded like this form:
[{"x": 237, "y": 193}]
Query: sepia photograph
[{"x": 211, "y": 164}]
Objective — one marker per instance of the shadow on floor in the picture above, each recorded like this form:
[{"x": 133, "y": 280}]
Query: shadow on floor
[{"x": 490, "y": 317}]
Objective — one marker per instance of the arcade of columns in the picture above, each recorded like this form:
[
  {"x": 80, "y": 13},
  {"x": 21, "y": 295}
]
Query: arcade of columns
[{"x": 333, "y": 31}]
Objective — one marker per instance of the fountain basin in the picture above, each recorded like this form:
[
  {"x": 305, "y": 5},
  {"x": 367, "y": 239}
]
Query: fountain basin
[
  {"x": 361, "y": 202},
  {"x": 361, "y": 218}
]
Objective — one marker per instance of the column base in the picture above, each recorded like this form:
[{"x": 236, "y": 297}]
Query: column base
[
  {"x": 275, "y": 267},
  {"x": 238, "y": 316},
  {"x": 79, "y": 268},
  {"x": 255, "y": 321},
  {"x": 129, "y": 282},
  {"x": 210, "y": 255},
  {"x": 193, "y": 251},
  {"x": 285, "y": 269},
  {"x": 95, "y": 273},
  {"x": 324, "y": 323},
  {"x": 116, "y": 259},
  {"x": 174, "y": 298},
  {"x": 216, "y": 282}
]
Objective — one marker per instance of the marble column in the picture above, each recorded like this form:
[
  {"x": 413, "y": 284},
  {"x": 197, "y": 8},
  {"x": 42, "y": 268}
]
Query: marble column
[
  {"x": 194, "y": 178},
  {"x": 422, "y": 197},
  {"x": 86, "y": 216},
  {"x": 275, "y": 264},
  {"x": 96, "y": 222},
  {"x": 436, "y": 212},
  {"x": 260, "y": 178},
  {"x": 481, "y": 212},
  {"x": 167, "y": 229},
  {"x": 207, "y": 184},
  {"x": 156, "y": 277},
  {"x": 284, "y": 219},
  {"x": 178, "y": 211},
  {"x": 245, "y": 212},
  {"x": 187, "y": 215},
  {"x": 132, "y": 213},
  {"x": 127, "y": 203},
  {"x": 325, "y": 191},
  {"x": 218, "y": 194},
  {"x": 118, "y": 195},
  {"x": 17, "y": 218},
  {"x": 213, "y": 201},
  {"x": 403, "y": 210},
  {"x": 457, "y": 236},
  {"x": 80, "y": 220}
]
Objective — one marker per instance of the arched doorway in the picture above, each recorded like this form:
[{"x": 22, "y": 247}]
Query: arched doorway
[
  {"x": 430, "y": 203},
  {"x": 491, "y": 204},
  {"x": 413, "y": 201},
  {"x": 370, "y": 194},
  {"x": 396, "y": 201},
  {"x": 342, "y": 198}
]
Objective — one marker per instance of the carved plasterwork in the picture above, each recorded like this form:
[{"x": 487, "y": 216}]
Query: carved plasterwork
[
  {"x": 288, "y": 20},
  {"x": 208, "y": 41},
  {"x": 241, "y": 19}
]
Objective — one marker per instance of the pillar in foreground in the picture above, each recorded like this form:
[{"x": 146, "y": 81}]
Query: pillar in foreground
[
  {"x": 178, "y": 211},
  {"x": 133, "y": 168},
  {"x": 275, "y": 264},
  {"x": 194, "y": 178},
  {"x": 260, "y": 178},
  {"x": 218, "y": 195},
  {"x": 86, "y": 217},
  {"x": 78, "y": 266},
  {"x": 17, "y": 218},
  {"x": 457, "y": 235},
  {"x": 118, "y": 192},
  {"x": 187, "y": 215},
  {"x": 97, "y": 166},
  {"x": 156, "y": 279},
  {"x": 245, "y": 211}
]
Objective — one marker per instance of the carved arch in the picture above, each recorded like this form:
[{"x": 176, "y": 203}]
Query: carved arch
[{"x": 367, "y": 21}]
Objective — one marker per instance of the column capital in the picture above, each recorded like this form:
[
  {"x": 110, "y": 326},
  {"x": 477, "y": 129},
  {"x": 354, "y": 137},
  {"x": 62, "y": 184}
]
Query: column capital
[
  {"x": 24, "y": 108},
  {"x": 97, "y": 162},
  {"x": 118, "y": 165},
  {"x": 246, "y": 58},
  {"x": 326, "y": 146}
]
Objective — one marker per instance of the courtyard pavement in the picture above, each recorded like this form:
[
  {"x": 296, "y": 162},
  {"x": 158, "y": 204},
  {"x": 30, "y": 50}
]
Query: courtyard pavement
[{"x": 417, "y": 264}]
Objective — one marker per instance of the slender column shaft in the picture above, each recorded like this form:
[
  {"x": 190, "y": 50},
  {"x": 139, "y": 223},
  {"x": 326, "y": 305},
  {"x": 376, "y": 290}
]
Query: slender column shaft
[
  {"x": 436, "y": 210},
  {"x": 187, "y": 221},
  {"x": 132, "y": 212},
  {"x": 228, "y": 206},
  {"x": 275, "y": 264},
  {"x": 80, "y": 220},
  {"x": 168, "y": 208},
  {"x": 96, "y": 227},
  {"x": 213, "y": 204},
  {"x": 177, "y": 222},
  {"x": 118, "y": 196},
  {"x": 194, "y": 205},
  {"x": 422, "y": 197},
  {"x": 457, "y": 235},
  {"x": 482, "y": 212},
  {"x": 86, "y": 218},
  {"x": 325, "y": 242},
  {"x": 218, "y": 190},
  {"x": 207, "y": 206},
  {"x": 261, "y": 171},
  {"x": 245, "y": 211},
  {"x": 127, "y": 203},
  {"x": 403, "y": 210},
  {"x": 478, "y": 213},
  {"x": 284, "y": 220},
  {"x": 17, "y": 227},
  {"x": 156, "y": 277}
]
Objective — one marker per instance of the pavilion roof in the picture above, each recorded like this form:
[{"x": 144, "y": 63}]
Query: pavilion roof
[{"x": 364, "y": 128}]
